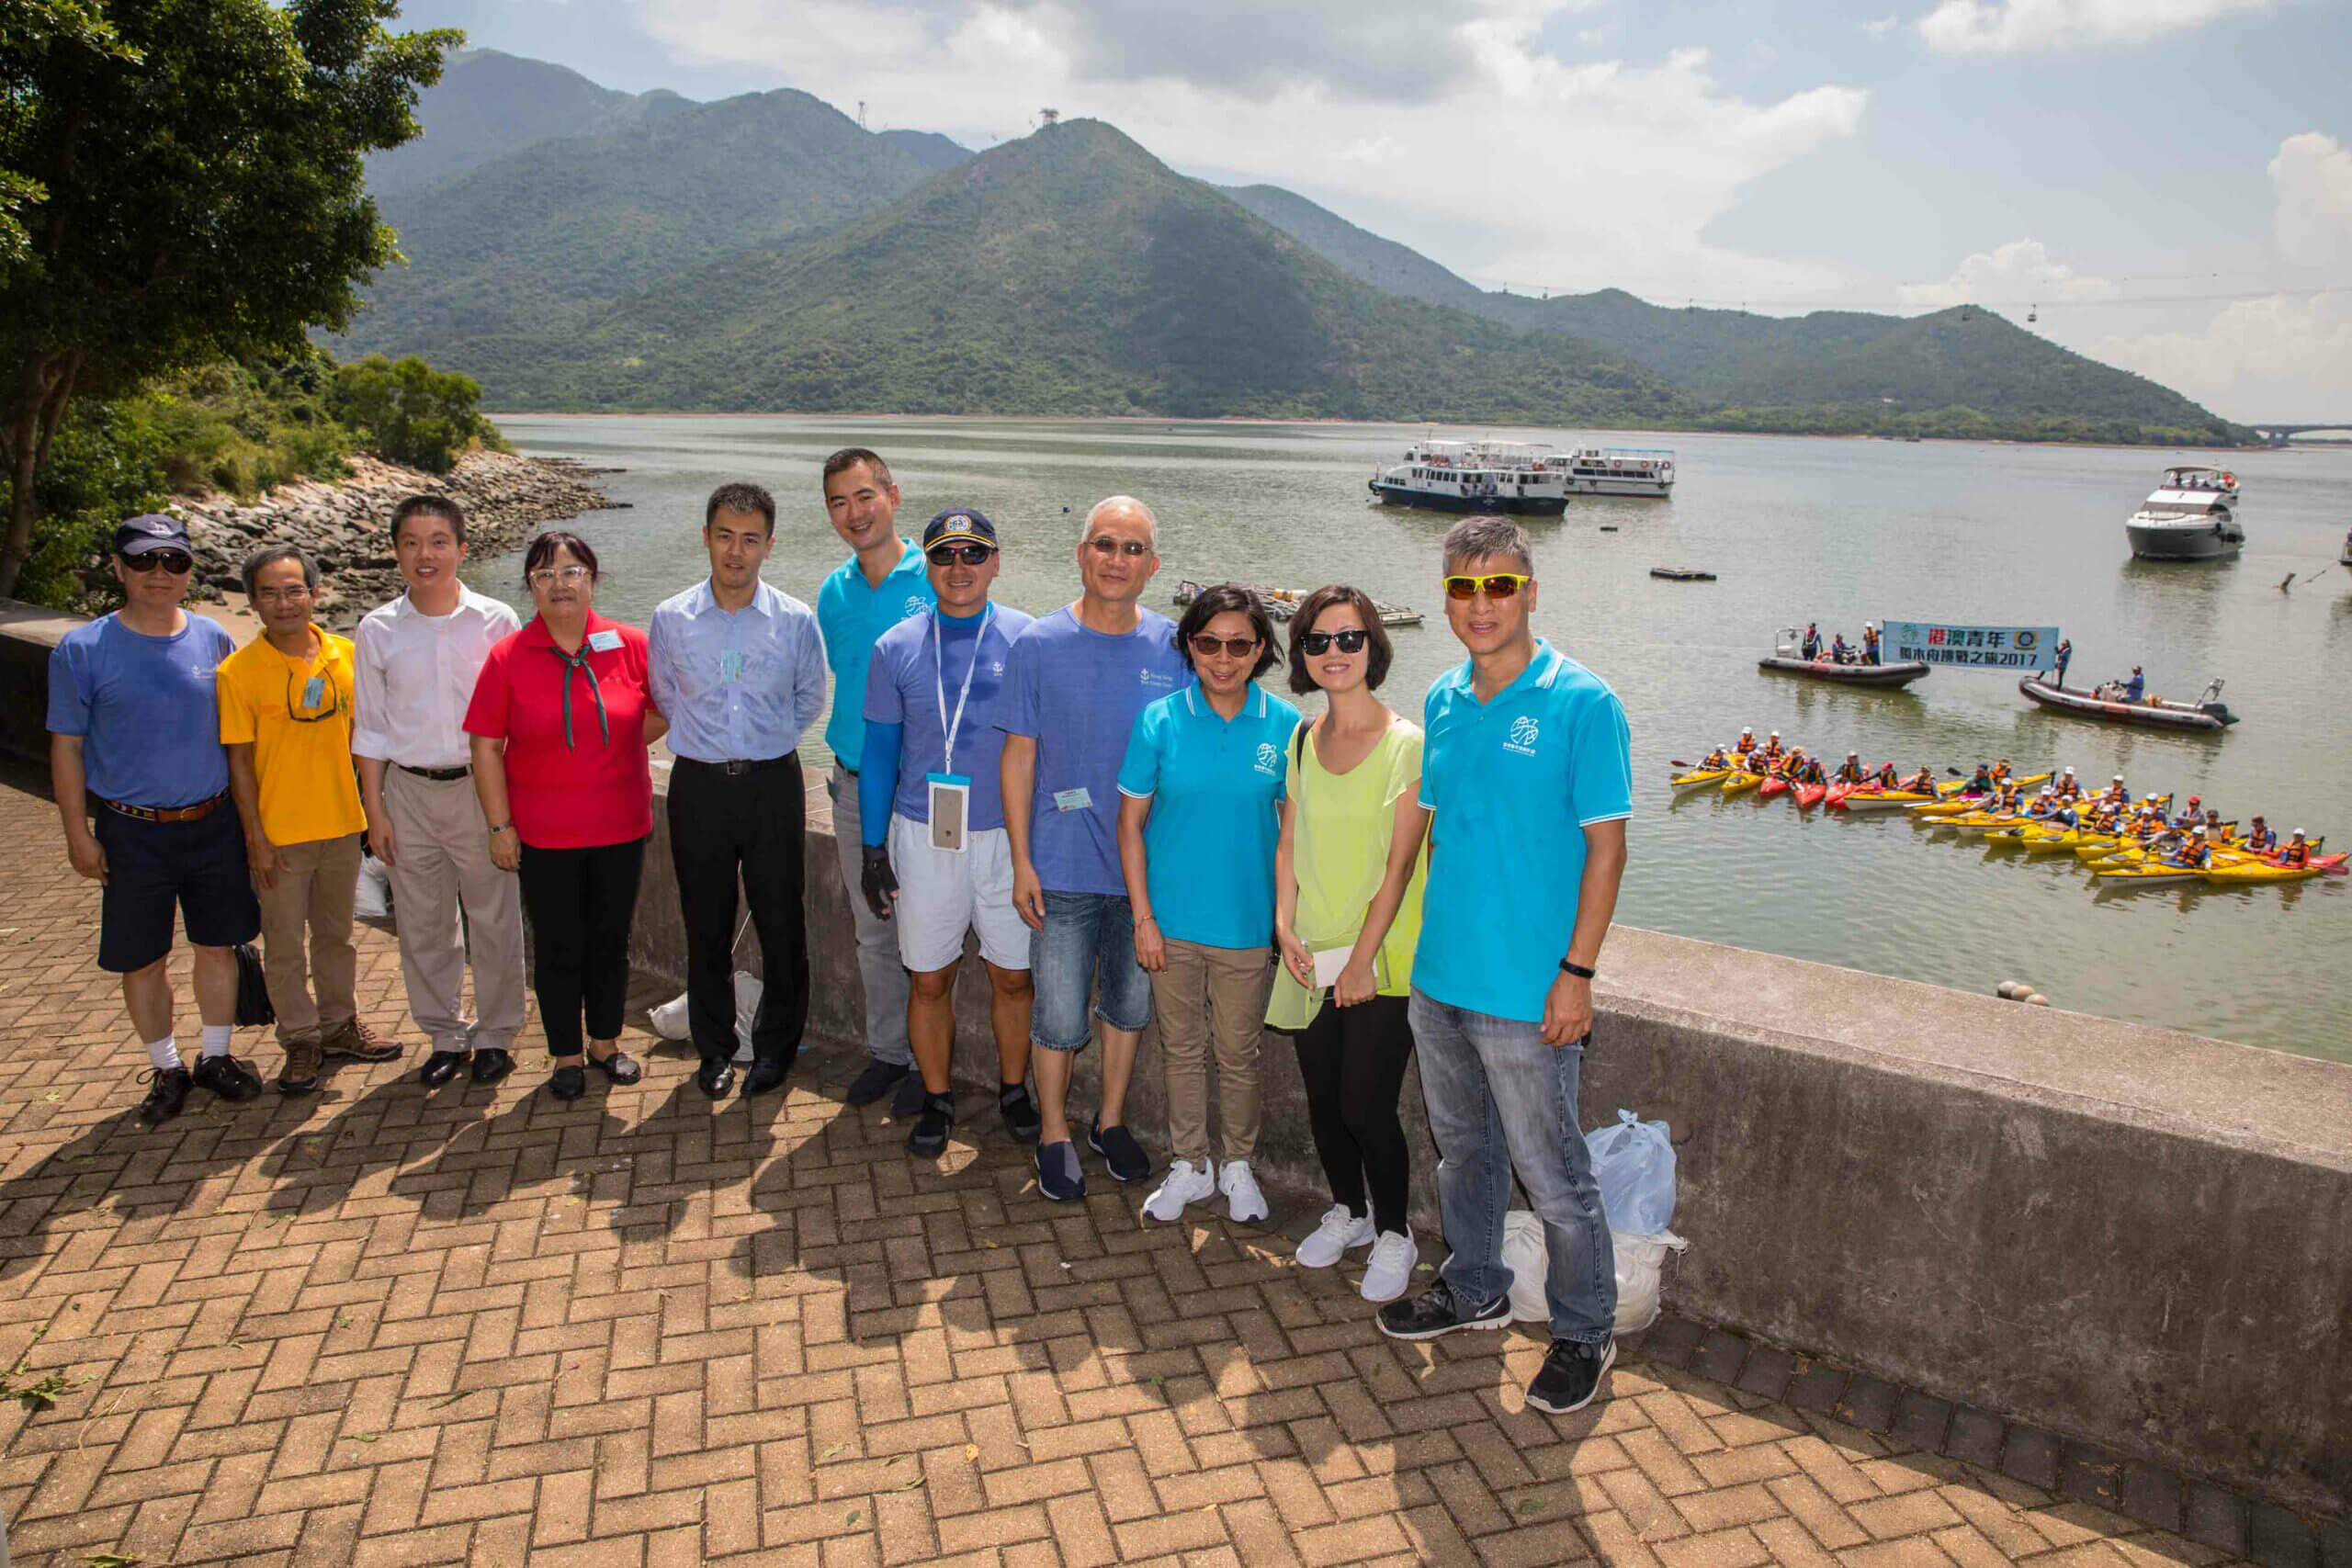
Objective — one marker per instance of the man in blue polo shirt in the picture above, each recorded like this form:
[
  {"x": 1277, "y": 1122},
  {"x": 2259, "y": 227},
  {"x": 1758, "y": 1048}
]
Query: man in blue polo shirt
[
  {"x": 883, "y": 583},
  {"x": 1527, "y": 772},
  {"x": 135, "y": 731}
]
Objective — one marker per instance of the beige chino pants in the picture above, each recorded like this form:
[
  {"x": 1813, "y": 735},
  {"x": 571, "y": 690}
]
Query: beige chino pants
[
  {"x": 311, "y": 984},
  {"x": 1212, "y": 998},
  {"x": 442, "y": 859}
]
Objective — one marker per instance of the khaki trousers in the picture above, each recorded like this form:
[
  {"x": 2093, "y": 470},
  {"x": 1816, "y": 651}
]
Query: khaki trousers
[
  {"x": 1212, "y": 996},
  {"x": 312, "y": 986},
  {"x": 442, "y": 857}
]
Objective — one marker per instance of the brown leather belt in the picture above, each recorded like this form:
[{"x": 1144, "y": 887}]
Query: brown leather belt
[{"x": 197, "y": 813}]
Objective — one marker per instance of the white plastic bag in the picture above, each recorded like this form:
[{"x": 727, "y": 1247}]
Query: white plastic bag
[
  {"x": 1641, "y": 1261},
  {"x": 372, "y": 899},
  {"x": 671, "y": 1022},
  {"x": 1634, "y": 1162}
]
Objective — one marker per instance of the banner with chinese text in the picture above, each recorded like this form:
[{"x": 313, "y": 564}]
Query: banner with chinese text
[{"x": 2010, "y": 649}]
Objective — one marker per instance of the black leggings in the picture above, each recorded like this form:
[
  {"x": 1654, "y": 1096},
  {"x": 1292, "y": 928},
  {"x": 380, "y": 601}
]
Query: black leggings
[
  {"x": 1353, "y": 1061},
  {"x": 580, "y": 902}
]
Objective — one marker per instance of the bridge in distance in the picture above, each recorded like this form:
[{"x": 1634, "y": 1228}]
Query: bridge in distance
[{"x": 2279, "y": 435}]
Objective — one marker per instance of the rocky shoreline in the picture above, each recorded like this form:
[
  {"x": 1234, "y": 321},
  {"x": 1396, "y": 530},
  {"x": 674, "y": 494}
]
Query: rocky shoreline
[{"x": 345, "y": 522}]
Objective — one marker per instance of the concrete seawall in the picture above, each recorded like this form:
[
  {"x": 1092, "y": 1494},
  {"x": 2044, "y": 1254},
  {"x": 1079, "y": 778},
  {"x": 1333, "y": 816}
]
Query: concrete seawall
[{"x": 2138, "y": 1239}]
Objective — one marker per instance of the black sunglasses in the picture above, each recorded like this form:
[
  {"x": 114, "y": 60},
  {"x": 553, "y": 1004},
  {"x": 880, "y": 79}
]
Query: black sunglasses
[
  {"x": 1103, "y": 545},
  {"x": 1239, "y": 647},
  {"x": 948, "y": 555},
  {"x": 1350, "y": 640},
  {"x": 167, "y": 560}
]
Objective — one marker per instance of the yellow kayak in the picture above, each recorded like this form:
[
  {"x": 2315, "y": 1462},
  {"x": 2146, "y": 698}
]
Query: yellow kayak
[
  {"x": 1956, "y": 803},
  {"x": 2154, "y": 874},
  {"x": 2244, "y": 871},
  {"x": 1742, "y": 780},
  {"x": 1700, "y": 776}
]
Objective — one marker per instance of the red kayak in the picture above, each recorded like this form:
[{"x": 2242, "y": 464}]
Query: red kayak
[
  {"x": 1774, "y": 785},
  {"x": 1809, "y": 796},
  {"x": 1838, "y": 794}
]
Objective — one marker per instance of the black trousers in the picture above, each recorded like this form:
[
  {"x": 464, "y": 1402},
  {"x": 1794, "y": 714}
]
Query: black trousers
[
  {"x": 755, "y": 824},
  {"x": 1352, "y": 1060},
  {"x": 581, "y": 902}
]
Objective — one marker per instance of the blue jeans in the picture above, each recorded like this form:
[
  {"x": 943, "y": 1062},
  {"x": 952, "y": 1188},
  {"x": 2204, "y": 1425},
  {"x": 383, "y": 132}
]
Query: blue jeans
[
  {"x": 1498, "y": 1098},
  {"x": 1086, "y": 937}
]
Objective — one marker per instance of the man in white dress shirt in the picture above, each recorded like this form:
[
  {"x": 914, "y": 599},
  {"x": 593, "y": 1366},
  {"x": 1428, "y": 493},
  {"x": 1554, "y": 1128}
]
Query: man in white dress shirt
[{"x": 418, "y": 657}]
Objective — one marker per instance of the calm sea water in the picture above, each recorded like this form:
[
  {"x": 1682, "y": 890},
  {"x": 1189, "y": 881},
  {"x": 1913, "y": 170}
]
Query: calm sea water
[{"x": 1839, "y": 531}]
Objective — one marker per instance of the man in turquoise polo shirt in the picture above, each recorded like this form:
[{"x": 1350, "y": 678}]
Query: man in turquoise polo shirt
[
  {"x": 1527, "y": 772},
  {"x": 884, "y": 581}
]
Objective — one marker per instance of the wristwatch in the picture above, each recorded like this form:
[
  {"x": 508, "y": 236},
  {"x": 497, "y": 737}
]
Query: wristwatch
[{"x": 1571, "y": 966}]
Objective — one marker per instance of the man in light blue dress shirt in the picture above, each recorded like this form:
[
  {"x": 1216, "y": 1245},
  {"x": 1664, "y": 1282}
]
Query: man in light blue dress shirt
[{"x": 738, "y": 669}]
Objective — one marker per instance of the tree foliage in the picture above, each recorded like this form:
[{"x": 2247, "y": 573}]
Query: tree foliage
[
  {"x": 411, "y": 412},
  {"x": 201, "y": 195}
]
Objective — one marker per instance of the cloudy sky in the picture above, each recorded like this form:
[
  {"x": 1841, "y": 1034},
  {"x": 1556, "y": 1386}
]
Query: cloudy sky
[{"x": 2170, "y": 181}]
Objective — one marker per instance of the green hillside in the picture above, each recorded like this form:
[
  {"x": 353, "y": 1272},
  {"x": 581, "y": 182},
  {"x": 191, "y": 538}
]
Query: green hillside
[
  {"x": 524, "y": 244},
  {"x": 488, "y": 105},
  {"x": 1067, "y": 273},
  {"x": 1363, "y": 255}
]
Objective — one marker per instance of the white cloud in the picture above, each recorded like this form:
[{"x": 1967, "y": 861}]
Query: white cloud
[
  {"x": 1882, "y": 26},
  {"x": 2022, "y": 269},
  {"x": 1515, "y": 164},
  {"x": 2008, "y": 27},
  {"x": 2312, "y": 224}
]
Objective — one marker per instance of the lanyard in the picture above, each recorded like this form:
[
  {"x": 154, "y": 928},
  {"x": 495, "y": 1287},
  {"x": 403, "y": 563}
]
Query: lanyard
[
  {"x": 579, "y": 660},
  {"x": 948, "y": 727}
]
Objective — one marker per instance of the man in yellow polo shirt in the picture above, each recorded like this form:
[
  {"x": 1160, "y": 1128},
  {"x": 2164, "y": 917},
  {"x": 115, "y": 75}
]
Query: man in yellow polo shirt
[{"x": 286, "y": 714}]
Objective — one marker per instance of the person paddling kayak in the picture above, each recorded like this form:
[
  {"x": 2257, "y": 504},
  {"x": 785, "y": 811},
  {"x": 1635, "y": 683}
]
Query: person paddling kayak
[{"x": 2260, "y": 840}]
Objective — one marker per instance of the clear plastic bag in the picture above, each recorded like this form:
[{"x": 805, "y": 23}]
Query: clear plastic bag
[
  {"x": 372, "y": 899},
  {"x": 1641, "y": 1265},
  {"x": 1634, "y": 1162},
  {"x": 670, "y": 1021}
]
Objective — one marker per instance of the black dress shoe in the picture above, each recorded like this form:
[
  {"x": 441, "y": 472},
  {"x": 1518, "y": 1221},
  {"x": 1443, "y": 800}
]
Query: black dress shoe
[
  {"x": 167, "y": 1094},
  {"x": 491, "y": 1064},
  {"x": 716, "y": 1079},
  {"x": 568, "y": 1083},
  {"x": 441, "y": 1066},
  {"x": 765, "y": 1075}
]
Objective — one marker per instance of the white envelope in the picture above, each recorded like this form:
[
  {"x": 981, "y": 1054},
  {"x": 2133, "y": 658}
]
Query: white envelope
[{"x": 1327, "y": 964}]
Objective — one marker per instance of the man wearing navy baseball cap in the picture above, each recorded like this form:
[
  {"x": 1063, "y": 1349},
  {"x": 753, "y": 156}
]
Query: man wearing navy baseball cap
[
  {"x": 931, "y": 814},
  {"x": 135, "y": 732}
]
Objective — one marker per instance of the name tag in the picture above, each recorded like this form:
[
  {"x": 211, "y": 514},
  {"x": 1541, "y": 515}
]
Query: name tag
[
  {"x": 1073, "y": 799},
  {"x": 730, "y": 665},
  {"x": 951, "y": 797},
  {"x": 603, "y": 642},
  {"x": 314, "y": 692}
]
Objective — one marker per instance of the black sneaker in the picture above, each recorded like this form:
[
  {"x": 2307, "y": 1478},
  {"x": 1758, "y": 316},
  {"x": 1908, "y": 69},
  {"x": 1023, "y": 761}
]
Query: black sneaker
[
  {"x": 929, "y": 1140},
  {"x": 878, "y": 1079},
  {"x": 226, "y": 1077},
  {"x": 1435, "y": 1312},
  {"x": 1122, "y": 1156},
  {"x": 1570, "y": 1376},
  {"x": 167, "y": 1095},
  {"x": 1019, "y": 1113}
]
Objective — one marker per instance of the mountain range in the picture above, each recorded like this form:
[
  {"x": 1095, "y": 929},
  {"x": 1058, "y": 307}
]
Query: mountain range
[{"x": 571, "y": 246}]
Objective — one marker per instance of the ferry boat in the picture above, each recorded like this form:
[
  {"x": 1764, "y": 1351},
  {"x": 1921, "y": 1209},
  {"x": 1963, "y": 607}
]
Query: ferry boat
[
  {"x": 1476, "y": 476},
  {"x": 2191, "y": 515},
  {"x": 1619, "y": 470}
]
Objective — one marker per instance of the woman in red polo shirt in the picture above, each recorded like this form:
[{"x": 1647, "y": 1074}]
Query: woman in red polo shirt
[{"x": 560, "y": 718}]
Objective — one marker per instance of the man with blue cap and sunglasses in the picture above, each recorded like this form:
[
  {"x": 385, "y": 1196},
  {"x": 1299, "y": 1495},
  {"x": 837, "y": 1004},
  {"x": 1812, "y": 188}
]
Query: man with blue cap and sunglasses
[{"x": 931, "y": 816}]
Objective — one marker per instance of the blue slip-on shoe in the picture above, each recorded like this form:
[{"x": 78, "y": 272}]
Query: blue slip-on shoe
[
  {"x": 1121, "y": 1154},
  {"x": 1058, "y": 1176}
]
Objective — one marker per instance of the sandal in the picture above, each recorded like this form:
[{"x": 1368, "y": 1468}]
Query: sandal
[{"x": 618, "y": 1067}]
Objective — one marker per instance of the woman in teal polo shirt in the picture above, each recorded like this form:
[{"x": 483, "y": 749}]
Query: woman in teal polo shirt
[{"x": 1197, "y": 834}]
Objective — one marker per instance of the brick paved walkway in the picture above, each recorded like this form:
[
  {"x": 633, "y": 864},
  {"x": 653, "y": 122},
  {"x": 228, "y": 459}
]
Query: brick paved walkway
[{"x": 384, "y": 1329}]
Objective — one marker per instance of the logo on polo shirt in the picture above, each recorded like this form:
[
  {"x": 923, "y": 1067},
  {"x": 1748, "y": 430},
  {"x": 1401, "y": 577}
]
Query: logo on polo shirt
[
  {"x": 916, "y": 605},
  {"x": 1269, "y": 758},
  {"x": 1155, "y": 678},
  {"x": 1523, "y": 731},
  {"x": 996, "y": 666}
]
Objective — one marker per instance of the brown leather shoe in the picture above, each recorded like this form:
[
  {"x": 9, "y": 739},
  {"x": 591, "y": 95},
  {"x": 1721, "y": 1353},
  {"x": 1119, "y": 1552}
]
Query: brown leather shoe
[
  {"x": 359, "y": 1043},
  {"x": 302, "y": 1072}
]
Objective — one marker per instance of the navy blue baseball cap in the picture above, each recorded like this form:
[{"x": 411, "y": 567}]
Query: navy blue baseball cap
[
  {"x": 960, "y": 526},
  {"x": 151, "y": 532}
]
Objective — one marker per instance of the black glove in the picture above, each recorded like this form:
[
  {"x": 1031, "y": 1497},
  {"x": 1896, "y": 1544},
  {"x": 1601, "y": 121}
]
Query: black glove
[{"x": 879, "y": 881}]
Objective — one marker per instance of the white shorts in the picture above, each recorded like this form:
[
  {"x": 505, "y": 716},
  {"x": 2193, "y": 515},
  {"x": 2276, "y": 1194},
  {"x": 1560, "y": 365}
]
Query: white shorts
[{"x": 942, "y": 895}]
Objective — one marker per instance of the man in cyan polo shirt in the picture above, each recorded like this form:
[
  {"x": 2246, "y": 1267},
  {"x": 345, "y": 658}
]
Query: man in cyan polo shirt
[
  {"x": 1527, "y": 772},
  {"x": 134, "y": 728},
  {"x": 936, "y": 859},
  {"x": 883, "y": 583},
  {"x": 739, "y": 670}
]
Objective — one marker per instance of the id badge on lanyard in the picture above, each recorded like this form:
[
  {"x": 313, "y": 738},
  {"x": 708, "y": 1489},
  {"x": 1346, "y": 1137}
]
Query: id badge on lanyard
[{"x": 949, "y": 792}]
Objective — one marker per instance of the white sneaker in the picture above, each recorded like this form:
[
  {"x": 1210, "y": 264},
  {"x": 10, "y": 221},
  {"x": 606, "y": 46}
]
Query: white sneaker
[
  {"x": 1390, "y": 1269},
  {"x": 1243, "y": 1201},
  {"x": 1340, "y": 1232},
  {"x": 1186, "y": 1183}
]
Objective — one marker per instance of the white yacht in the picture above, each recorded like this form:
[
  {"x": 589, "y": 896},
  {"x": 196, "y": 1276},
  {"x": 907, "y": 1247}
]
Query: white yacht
[
  {"x": 1476, "y": 476},
  {"x": 1618, "y": 470},
  {"x": 2191, "y": 515}
]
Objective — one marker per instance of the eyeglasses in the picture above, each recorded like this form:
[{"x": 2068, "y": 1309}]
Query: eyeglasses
[
  {"x": 1501, "y": 585},
  {"x": 1103, "y": 545},
  {"x": 948, "y": 555},
  {"x": 547, "y": 575},
  {"x": 172, "y": 561},
  {"x": 331, "y": 694},
  {"x": 282, "y": 595},
  {"x": 1239, "y": 647},
  {"x": 1350, "y": 640}
]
